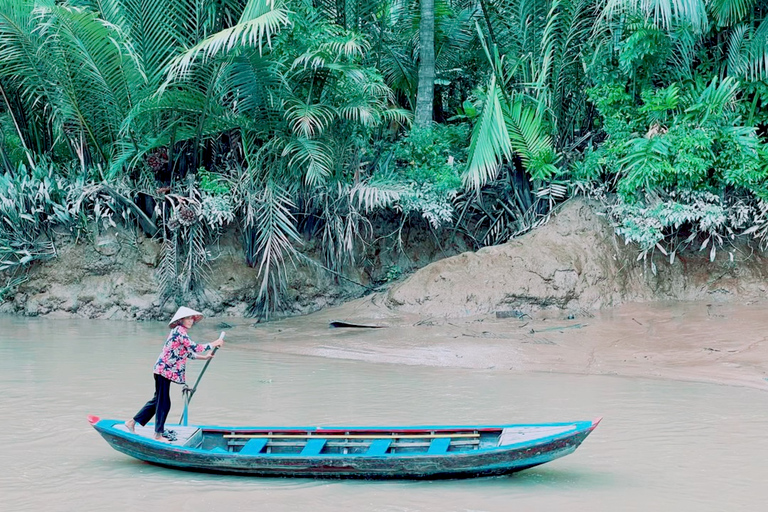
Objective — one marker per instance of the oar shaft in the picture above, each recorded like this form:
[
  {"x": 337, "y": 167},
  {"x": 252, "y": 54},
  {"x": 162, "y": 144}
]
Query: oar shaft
[
  {"x": 202, "y": 372},
  {"x": 188, "y": 392}
]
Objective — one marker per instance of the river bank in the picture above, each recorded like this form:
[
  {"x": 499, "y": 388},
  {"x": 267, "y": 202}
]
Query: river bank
[
  {"x": 568, "y": 297},
  {"x": 573, "y": 265},
  {"x": 721, "y": 343}
]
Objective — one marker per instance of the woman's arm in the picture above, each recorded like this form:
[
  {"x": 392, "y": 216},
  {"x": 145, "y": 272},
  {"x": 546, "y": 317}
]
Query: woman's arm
[{"x": 201, "y": 347}]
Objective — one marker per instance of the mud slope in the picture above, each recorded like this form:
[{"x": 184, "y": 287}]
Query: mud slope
[{"x": 575, "y": 263}]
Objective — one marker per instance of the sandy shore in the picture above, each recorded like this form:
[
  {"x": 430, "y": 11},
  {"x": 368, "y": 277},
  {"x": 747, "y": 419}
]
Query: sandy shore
[{"x": 705, "y": 342}]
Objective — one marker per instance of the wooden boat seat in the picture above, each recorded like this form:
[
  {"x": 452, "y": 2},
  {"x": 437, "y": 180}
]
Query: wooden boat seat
[
  {"x": 253, "y": 446},
  {"x": 379, "y": 447},
  {"x": 313, "y": 447},
  {"x": 439, "y": 445}
]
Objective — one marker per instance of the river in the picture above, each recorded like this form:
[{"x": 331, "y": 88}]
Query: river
[{"x": 663, "y": 445}]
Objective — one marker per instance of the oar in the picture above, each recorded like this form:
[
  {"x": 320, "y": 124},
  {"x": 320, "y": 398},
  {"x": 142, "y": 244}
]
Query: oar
[{"x": 188, "y": 392}]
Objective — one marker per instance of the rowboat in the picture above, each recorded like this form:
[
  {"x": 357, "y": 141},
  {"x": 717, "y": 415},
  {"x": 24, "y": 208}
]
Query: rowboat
[{"x": 418, "y": 452}]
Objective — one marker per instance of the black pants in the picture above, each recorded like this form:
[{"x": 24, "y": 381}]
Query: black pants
[{"x": 158, "y": 407}]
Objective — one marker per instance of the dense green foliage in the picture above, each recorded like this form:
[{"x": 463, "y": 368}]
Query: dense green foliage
[
  {"x": 682, "y": 100},
  {"x": 291, "y": 119}
]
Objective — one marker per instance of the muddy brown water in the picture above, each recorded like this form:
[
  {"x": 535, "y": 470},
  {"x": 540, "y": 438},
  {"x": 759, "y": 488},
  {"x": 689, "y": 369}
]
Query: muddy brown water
[{"x": 663, "y": 444}]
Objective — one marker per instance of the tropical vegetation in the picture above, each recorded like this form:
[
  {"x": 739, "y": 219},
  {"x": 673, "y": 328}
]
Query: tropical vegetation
[{"x": 294, "y": 119}]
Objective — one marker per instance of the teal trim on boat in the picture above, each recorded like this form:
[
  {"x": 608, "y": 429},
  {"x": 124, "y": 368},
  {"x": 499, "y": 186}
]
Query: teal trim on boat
[{"x": 425, "y": 451}]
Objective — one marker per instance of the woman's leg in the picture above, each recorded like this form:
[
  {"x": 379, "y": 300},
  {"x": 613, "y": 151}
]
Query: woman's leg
[
  {"x": 163, "y": 394},
  {"x": 146, "y": 412}
]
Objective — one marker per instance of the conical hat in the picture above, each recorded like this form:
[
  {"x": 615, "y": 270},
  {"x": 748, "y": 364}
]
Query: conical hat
[{"x": 182, "y": 313}]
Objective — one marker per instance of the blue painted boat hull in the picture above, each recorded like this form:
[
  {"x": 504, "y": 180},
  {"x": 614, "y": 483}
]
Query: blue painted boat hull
[{"x": 489, "y": 452}]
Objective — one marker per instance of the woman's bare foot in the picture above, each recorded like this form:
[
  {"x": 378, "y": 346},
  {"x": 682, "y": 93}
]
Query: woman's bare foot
[
  {"x": 159, "y": 437},
  {"x": 131, "y": 425}
]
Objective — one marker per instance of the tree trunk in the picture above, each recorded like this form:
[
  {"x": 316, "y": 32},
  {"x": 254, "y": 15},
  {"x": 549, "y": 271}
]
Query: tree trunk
[{"x": 426, "y": 91}]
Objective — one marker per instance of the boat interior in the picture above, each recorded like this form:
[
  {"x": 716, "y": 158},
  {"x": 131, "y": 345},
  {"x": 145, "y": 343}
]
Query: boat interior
[{"x": 366, "y": 442}]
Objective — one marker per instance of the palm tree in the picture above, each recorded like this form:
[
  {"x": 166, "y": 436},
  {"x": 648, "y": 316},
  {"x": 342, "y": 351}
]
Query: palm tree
[
  {"x": 120, "y": 81},
  {"x": 425, "y": 94},
  {"x": 83, "y": 66},
  {"x": 304, "y": 108}
]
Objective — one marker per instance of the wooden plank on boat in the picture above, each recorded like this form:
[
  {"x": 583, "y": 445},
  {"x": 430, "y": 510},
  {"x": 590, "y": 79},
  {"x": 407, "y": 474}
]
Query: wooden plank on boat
[
  {"x": 379, "y": 447},
  {"x": 253, "y": 446},
  {"x": 184, "y": 435},
  {"x": 518, "y": 434},
  {"x": 438, "y": 446},
  {"x": 313, "y": 447},
  {"x": 351, "y": 436},
  {"x": 196, "y": 439},
  {"x": 361, "y": 444}
]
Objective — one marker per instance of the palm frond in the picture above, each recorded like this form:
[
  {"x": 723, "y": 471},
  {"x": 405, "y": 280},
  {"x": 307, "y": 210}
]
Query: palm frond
[
  {"x": 645, "y": 161},
  {"x": 194, "y": 270},
  {"x": 362, "y": 112},
  {"x": 685, "y": 47},
  {"x": 167, "y": 270},
  {"x": 21, "y": 52},
  {"x": 368, "y": 196},
  {"x": 663, "y": 13},
  {"x": 747, "y": 52},
  {"x": 716, "y": 97},
  {"x": 261, "y": 19},
  {"x": 101, "y": 73},
  {"x": 311, "y": 157},
  {"x": 738, "y": 51},
  {"x": 454, "y": 35},
  {"x": 350, "y": 45},
  {"x": 729, "y": 12},
  {"x": 399, "y": 70},
  {"x": 272, "y": 232},
  {"x": 255, "y": 85},
  {"x": 490, "y": 142},
  {"x": 530, "y": 140},
  {"x": 516, "y": 26},
  {"x": 564, "y": 42},
  {"x": 309, "y": 119},
  {"x": 758, "y": 53},
  {"x": 398, "y": 115}
]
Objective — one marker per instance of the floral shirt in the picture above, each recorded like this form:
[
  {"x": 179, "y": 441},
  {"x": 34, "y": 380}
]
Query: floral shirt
[{"x": 178, "y": 347}]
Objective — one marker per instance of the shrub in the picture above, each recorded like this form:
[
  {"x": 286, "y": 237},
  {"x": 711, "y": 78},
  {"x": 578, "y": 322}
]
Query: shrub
[{"x": 426, "y": 165}]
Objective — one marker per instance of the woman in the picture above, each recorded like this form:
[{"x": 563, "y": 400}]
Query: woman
[{"x": 170, "y": 367}]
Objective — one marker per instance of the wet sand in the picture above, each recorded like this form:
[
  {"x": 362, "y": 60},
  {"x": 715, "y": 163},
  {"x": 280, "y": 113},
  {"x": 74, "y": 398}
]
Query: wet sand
[{"x": 720, "y": 343}]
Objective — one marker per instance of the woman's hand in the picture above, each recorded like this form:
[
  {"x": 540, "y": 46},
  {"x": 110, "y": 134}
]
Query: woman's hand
[
  {"x": 218, "y": 343},
  {"x": 205, "y": 357}
]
